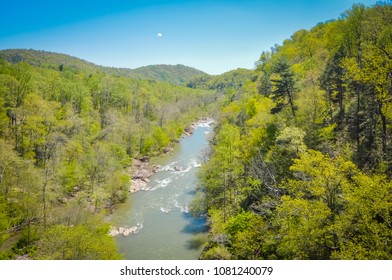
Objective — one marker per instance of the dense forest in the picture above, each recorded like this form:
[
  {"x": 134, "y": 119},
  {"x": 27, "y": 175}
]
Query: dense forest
[
  {"x": 300, "y": 165},
  {"x": 301, "y": 161},
  {"x": 68, "y": 135}
]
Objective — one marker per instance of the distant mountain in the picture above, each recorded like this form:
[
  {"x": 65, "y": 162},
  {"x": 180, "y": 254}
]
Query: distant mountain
[
  {"x": 48, "y": 59},
  {"x": 230, "y": 80},
  {"x": 174, "y": 74}
]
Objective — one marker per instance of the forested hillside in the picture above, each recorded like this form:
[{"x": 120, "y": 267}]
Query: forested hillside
[
  {"x": 226, "y": 82},
  {"x": 301, "y": 159},
  {"x": 174, "y": 74},
  {"x": 68, "y": 136}
]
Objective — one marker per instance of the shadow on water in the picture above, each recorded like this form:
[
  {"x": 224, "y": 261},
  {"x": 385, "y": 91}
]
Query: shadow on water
[
  {"x": 194, "y": 225},
  {"x": 196, "y": 242},
  {"x": 191, "y": 192},
  {"x": 197, "y": 227}
]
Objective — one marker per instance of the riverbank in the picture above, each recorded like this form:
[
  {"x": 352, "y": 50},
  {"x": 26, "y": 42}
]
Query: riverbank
[
  {"x": 154, "y": 222},
  {"x": 141, "y": 169}
]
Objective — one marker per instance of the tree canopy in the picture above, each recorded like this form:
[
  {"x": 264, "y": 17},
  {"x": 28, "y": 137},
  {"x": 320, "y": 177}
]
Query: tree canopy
[{"x": 311, "y": 148}]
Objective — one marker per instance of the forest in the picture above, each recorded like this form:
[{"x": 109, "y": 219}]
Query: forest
[
  {"x": 300, "y": 165},
  {"x": 68, "y": 135}
]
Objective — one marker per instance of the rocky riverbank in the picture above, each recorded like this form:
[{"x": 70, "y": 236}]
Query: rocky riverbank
[
  {"x": 114, "y": 231},
  {"x": 189, "y": 130},
  {"x": 172, "y": 183},
  {"x": 141, "y": 171}
]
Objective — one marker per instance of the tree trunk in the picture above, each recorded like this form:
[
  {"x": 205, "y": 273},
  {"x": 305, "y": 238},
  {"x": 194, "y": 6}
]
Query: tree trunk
[
  {"x": 341, "y": 108},
  {"x": 384, "y": 131},
  {"x": 358, "y": 128},
  {"x": 291, "y": 101}
]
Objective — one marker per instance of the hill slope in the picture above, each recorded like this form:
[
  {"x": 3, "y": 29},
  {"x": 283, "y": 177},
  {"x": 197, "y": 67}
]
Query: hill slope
[
  {"x": 301, "y": 162},
  {"x": 47, "y": 59},
  {"x": 174, "y": 74}
]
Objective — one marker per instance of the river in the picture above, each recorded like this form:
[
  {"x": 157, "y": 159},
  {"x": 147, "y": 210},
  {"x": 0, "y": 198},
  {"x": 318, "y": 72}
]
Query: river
[{"x": 166, "y": 229}]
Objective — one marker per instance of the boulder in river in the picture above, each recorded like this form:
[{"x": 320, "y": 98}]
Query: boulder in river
[
  {"x": 156, "y": 168},
  {"x": 124, "y": 231},
  {"x": 142, "y": 174},
  {"x": 167, "y": 150},
  {"x": 138, "y": 185},
  {"x": 141, "y": 171},
  {"x": 178, "y": 168}
]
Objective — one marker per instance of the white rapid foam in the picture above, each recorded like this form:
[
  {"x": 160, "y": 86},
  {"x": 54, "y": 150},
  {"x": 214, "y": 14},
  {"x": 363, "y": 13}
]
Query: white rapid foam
[
  {"x": 205, "y": 123},
  {"x": 169, "y": 167},
  {"x": 185, "y": 209},
  {"x": 182, "y": 208},
  {"x": 183, "y": 170},
  {"x": 195, "y": 163},
  {"x": 139, "y": 226},
  {"x": 165, "y": 210},
  {"x": 161, "y": 184}
]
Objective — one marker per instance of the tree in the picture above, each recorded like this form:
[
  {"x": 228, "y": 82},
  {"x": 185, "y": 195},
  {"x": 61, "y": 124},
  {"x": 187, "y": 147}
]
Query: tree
[
  {"x": 332, "y": 81},
  {"x": 378, "y": 63},
  {"x": 5, "y": 222},
  {"x": 302, "y": 231},
  {"x": 228, "y": 155},
  {"x": 354, "y": 46},
  {"x": 283, "y": 86},
  {"x": 365, "y": 225},
  {"x": 17, "y": 80},
  {"x": 247, "y": 234},
  {"x": 79, "y": 242}
]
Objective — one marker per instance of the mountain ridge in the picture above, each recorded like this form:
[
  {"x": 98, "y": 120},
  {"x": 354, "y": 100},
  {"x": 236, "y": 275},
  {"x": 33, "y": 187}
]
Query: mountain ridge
[{"x": 175, "y": 74}]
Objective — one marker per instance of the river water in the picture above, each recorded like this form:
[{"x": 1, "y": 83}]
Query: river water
[{"x": 167, "y": 231}]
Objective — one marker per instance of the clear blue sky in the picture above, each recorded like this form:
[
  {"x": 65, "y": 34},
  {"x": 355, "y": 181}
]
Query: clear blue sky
[{"x": 213, "y": 36}]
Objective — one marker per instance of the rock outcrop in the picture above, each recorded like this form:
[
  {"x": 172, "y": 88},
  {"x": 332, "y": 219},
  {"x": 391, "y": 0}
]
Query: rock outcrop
[
  {"x": 141, "y": 172},
  {"x": 114, "y": 231}
]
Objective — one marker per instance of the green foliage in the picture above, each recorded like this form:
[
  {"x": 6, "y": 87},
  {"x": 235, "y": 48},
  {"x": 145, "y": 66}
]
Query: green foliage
[
  {"x": 198, "y": 206},
  {"x": 62, "y": 242},
  {"x": 365, "y": 226},
  {"x": 216, "y": 253},
  {"x": 283, "y": 86},
  {"x": 313, "y": 127},
  {"x": 4, "y": 220},
  {"x": 68, "y": 132},
  {"x": 302, "y": 228},
  {"x": 174, "y": 74},
  {"x": 225, "y": 82}
]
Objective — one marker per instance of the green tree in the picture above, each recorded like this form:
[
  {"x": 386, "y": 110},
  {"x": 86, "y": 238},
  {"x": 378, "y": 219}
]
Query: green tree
[
  {"x": 78, "y": 242},
  {"x": 4, "y": 220},
  {"x": 365, "y": 226},
  {"x": 225, "y": 170},
  {"x": 283, "y": 86}
]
